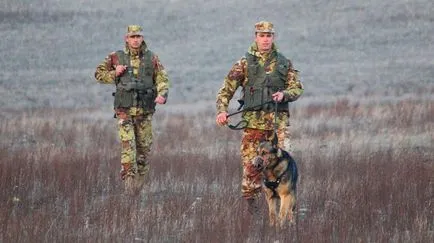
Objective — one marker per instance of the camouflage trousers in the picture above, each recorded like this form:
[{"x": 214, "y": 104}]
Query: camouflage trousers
[
  {"x": 135, "y": 133},
  {"x": 252, "y": 178}
]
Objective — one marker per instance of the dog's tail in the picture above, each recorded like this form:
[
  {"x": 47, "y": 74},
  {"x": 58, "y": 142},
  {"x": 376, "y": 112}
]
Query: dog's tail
[{"x": 294, "y": 173}]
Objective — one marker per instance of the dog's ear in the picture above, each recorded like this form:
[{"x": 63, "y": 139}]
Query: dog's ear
[{"x": 274, "y": 140}]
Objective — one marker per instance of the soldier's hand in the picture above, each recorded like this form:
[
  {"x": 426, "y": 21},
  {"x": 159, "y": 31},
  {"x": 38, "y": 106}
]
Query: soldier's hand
[
  {"x": 120, "y": 69},
  {"x": 222, "y": 118},
  {"x": 160, "y": 100},
  {"x": 278, "y": 96}
]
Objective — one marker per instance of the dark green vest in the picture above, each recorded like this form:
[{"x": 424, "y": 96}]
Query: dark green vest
[
  {"x": 260, "y": 86},
  {"x": 136, "y": 92}
]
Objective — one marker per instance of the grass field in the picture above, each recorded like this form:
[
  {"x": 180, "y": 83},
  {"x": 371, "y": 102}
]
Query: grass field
[{"x": 366, "y": 176}]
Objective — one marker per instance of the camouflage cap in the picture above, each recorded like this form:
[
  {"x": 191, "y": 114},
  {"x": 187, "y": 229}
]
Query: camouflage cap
[
  {"x": 134, "y": 30},
  {"x": 264, "y": 27}
]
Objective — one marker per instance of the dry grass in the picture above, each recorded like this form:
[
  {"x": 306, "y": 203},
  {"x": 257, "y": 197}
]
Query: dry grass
[{"x": 366, "y": 176}]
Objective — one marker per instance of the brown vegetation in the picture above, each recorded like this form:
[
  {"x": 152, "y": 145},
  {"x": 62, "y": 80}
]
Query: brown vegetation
[{"x": 366, "y": 176}]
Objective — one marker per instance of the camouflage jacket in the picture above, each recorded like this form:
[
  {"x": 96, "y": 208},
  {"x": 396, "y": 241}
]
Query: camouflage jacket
[
  {"x": 237, "y": 77},
  {"x": 105, "y": 71}
]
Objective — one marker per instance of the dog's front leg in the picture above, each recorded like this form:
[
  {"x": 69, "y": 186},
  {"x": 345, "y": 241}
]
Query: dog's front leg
[
  {"x": 286, "y": 205},
  {"x": 272, "y": 206}
]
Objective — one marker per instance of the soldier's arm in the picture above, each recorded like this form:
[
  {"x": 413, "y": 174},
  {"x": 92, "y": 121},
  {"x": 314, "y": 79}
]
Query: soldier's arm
[
  {"x": 232, "y": 81},
  {"x": 161, "y": 78},
  {"x": 294, "y": 86},
  {"x": 105, "y": 72}
]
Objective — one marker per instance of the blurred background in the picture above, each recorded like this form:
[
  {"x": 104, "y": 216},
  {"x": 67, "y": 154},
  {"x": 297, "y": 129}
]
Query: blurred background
[{"x": 51, "y": 47}]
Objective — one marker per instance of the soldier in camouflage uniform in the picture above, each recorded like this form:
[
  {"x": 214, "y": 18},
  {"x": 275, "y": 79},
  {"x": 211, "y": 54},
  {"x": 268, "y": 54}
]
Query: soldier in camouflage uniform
[
  {"x": 141, "y": 83},
  {"x": 264, "y": 75}
]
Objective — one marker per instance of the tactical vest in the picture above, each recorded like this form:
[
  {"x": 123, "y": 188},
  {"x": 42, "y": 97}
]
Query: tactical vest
[
  {"x": 260, "y": 86},
  {"x": 132, "y": 91}
]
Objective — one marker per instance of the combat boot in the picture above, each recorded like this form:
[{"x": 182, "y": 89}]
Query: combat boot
[
  {"x": 128, "y": 175},
  {"x": 139, "y": 182}
]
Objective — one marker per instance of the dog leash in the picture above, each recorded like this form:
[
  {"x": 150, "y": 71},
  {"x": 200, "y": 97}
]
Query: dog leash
[
  {"x": 243, "y": 123},
  {"x": 275, "y": 139},
  {"x": 249, "y": 108}
]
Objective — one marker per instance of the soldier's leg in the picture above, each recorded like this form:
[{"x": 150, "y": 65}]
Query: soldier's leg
[
  {"x": 128, "y": 143},
  {"x": 143, "y": 126},
  {"x": 251, "y": 178},
  {"x": 143, "y": 142}
]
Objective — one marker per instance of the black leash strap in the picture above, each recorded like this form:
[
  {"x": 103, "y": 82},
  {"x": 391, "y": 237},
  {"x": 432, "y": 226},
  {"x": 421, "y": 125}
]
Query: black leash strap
[
  {"x": 243, "y": 123},
  {"x": 275, "y": 140},
  {"x": 239, "y": 126},
  {"x": 249, "y": 108}
]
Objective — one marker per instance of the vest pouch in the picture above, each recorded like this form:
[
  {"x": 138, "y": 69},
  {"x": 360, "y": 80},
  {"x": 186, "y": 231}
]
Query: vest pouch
[
  {"x": 255, "y": 97},
  {"x": 123, "y": 99},
  {"x": 147, "y": 98},
  {"x": 282, "y": 72}
]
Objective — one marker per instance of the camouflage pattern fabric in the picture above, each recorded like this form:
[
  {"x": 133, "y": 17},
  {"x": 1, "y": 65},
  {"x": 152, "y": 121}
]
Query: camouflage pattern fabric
[
  {"x": 134, "y": 30},
  {"x": 251, "y": 178},
  {"x": 105, "y": 71},
  {"x": 135, "y": 133},
  {"x": 264, "y": 27},
  {"x": 134, "y": 123},
  {"x": 237, "y": 77}
]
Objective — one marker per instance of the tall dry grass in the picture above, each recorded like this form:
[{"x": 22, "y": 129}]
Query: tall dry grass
[{"x": 366, "y": 176}]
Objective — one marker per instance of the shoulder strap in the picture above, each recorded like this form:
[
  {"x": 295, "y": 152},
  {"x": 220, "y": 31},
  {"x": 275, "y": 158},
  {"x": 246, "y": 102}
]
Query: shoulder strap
[
  {"x": 251, "y": 59},
  {"x": 123, "y": 58}
]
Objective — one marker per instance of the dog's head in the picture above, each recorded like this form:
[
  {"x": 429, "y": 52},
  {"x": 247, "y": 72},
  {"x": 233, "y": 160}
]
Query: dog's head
[{"x": 266, "y": 155}]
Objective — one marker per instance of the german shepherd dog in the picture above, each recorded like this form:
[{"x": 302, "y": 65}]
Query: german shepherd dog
[{"x": 279, "y": 171}]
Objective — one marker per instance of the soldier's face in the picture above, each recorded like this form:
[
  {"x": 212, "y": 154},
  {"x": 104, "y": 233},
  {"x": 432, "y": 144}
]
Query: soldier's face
[
  {"x": 264, "y": 41},
  {"x": 134, "y": 41}
]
